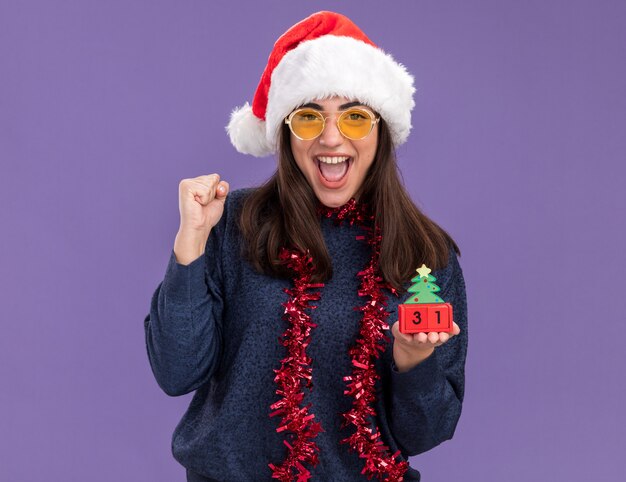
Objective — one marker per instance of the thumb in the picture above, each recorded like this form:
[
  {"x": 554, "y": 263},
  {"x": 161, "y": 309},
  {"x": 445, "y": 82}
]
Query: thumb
[
  {"x": 222, "y": 191},
  {"x": 397, "y": 334}
]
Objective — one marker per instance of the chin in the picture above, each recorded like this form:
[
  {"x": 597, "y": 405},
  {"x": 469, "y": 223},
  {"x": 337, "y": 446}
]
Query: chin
[{"x": 333, "y": 200}]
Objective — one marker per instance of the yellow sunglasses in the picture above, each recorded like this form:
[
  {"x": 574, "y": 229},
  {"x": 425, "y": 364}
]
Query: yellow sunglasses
[{"x": 355, "y": 123}]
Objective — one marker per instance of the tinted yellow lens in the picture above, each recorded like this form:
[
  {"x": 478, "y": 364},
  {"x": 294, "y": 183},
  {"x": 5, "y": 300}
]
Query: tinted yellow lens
[
  {"x": 307, "y": 123},
  {"x": 355, "y": 123}
]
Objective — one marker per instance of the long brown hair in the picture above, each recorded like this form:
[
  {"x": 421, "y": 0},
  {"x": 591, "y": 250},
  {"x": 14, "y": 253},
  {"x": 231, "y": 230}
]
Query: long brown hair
[{"x": 283, "y": 213}]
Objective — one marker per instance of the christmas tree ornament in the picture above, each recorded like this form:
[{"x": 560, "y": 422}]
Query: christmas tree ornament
[{"x": 424, "y": 311}]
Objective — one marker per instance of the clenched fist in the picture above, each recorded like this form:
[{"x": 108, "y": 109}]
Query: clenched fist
[{"x": 201, "y": 205}]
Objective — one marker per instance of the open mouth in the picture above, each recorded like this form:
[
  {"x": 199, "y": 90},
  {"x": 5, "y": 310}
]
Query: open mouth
[{"x": 333, "y": 169}]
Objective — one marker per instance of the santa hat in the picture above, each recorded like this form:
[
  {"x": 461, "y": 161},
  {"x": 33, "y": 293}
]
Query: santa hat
[{"x": 322, "y": 56}]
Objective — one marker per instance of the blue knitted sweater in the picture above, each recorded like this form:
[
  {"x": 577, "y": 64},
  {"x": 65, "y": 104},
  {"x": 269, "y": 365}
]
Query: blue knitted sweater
[{"x": 214, "y": 326}]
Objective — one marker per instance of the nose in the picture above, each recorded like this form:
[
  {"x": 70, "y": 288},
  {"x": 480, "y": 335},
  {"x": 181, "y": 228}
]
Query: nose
[{"x": 331, "y": 136}]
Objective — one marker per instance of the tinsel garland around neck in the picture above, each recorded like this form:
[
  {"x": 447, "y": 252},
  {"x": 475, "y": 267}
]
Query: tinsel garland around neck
[{"x": 295, "y": 372}]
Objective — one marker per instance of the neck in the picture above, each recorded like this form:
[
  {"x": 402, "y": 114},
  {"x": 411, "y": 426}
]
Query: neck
[{"x": 352, "y": 211}]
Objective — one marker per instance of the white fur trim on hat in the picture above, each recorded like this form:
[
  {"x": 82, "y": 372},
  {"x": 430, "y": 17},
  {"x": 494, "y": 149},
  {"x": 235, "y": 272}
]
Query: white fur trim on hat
[
  {"x": 248, "y": 133},
  {"x": 341, "y": 66},
  {"x": 324, "y": 67}
]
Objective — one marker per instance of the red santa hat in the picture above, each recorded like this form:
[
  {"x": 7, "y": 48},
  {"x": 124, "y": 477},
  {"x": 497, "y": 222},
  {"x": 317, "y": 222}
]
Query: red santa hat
[{"x": 322, "y": 56}]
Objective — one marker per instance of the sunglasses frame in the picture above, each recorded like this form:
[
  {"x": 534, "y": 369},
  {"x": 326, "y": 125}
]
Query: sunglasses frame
[{"x": 373, "y": 118}]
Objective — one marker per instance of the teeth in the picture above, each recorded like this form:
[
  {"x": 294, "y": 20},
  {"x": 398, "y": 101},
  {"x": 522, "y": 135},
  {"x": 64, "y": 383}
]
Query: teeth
[{"x": 333, "y": 160}]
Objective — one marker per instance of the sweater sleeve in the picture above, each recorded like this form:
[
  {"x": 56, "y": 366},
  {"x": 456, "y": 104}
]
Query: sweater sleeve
[
  {"x": 183, "y": 328},
  {"x": 425, "y": 401}
]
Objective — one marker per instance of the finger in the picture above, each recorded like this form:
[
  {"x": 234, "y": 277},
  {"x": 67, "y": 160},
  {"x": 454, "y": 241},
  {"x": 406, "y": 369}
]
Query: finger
[
  {"x": 422, "y": 337},
  {"x": 201, "y": 192},
  {"x": 444, "y": 337},
  {"x": 207, "y": 186},
  {"x": 433, "y": 337},
  {"x": 395, "y": 330},
  {"x": 208, "y": 179},
  {"x": 193, "y": 189},
  {"x": 456, "y": 329},
  {"x": 222, "y": 190}
]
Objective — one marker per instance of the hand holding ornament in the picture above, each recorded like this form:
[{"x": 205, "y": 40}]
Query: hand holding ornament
[{"x": 410, "y": 349}]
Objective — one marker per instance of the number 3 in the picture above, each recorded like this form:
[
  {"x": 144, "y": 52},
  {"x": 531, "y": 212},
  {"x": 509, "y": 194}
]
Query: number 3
[{"x": 417, "y": 315}]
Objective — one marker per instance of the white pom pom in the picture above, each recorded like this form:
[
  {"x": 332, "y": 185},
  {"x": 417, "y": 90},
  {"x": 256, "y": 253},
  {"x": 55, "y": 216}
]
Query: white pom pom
[{"x": 248, "y": 133}]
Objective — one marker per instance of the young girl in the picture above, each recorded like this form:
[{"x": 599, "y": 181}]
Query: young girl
[{"x": 279, "y": 303}]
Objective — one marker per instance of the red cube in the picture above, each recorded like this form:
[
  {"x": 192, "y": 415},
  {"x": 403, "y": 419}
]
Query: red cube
[{"x": 425, "y": 317}]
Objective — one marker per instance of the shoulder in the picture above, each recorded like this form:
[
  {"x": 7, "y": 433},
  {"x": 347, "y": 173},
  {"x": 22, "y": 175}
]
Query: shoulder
[
  {"x": 227, "y": 226},
  {"x": 236, "y": 198},
  {"x": 450, "y": 275},
  {"x": 233, "y": 205}
]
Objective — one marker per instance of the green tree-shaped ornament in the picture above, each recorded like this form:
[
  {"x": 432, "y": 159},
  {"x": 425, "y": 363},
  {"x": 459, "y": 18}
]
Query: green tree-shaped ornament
[{"x": 424, "y": 287}]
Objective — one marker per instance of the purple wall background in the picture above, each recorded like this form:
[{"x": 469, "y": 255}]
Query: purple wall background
[{"x": 517, "y": 149}]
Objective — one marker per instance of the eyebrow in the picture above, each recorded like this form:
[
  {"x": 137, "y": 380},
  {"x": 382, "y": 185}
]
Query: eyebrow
[{"x": 341, "y": 107}]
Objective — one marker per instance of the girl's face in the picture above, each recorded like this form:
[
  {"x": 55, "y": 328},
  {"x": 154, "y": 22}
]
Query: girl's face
[{"x": 334, "y": 165}]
